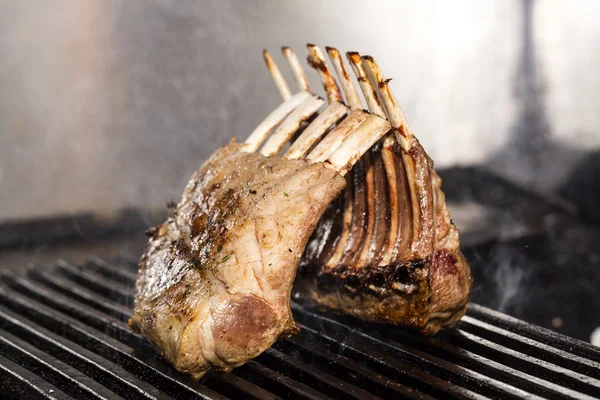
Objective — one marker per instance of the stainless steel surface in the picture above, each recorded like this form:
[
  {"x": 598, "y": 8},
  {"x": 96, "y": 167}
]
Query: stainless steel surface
[{"x": 112, "y": 103}]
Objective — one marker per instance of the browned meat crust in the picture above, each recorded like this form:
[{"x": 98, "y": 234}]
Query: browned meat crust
[{"x": 215, "y": 280}]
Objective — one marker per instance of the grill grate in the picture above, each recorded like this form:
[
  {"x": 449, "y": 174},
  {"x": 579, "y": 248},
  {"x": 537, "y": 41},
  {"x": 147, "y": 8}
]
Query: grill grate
[{"x": 64, "y": 334}]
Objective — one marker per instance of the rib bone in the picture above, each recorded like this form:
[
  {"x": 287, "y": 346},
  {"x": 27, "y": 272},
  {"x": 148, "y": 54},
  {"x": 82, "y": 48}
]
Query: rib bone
[
  {"x": 290, "y": 125},
  {"x": 359, "y": 141},
  {"x": 317, "y": 61},
  {"x": 392, "y": 181},
  {"x": 265, "y": 127},
  {"x": 297, "y": 69},
  {"x": 347, "y": 85},
  {"x": 392, "y": 108},
  {"x": 414, "y": 158},
  {"x": 370, "y": 97},
  {"x": 336, "y": 136},
  {"x": 316, "y": 130},
  {"x": 282, "y": 86}
]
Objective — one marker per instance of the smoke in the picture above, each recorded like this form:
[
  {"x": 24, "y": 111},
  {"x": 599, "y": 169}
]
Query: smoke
[
  {"x": 509, "y": 276},
  {"x": 501, "y": 274}
]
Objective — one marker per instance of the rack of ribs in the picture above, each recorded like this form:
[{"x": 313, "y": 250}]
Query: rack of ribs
[{"x": 353, "y": 202}]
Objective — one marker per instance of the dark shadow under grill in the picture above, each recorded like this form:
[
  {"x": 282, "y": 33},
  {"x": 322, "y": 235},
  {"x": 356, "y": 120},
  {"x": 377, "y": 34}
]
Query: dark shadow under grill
[{"x": 64, "y": 334}]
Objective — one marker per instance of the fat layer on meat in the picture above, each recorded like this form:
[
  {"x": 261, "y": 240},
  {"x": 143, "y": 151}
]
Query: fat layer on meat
[{"x": 215, "y": 280}]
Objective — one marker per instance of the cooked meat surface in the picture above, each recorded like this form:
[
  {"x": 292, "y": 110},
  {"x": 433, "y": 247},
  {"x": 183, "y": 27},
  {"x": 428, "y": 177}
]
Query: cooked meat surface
[
  {"x": 409, "y": 272},
  {"x": 214, "y": 282}
]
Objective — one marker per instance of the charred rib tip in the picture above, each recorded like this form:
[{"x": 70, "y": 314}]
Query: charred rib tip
[
  {"x": 401, "y": 130},
  {"x": 267, "y": 57},
  {"x": 367, "y": 58},
  {"x": 353, "y": 57},
  {"x": 331, "y": 50},
  {"x": 384, "y": 82},
  {"x": 309, "y": 45},
  {"x": 285, "y": 49},
  {"x": 316, "y": 63}
]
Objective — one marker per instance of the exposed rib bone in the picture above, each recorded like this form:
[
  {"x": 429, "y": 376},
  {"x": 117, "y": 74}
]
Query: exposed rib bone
[
  {"x": 316, "y": 130},
  {"x": 281, "y": 84},
  {"x": 362, "y": 255},
  {"x": 264, "y": 128},
  {"x": 389, "y": 164},
  {"x": 381, "y": 225},
  {"x": 371, "y": 98},
  {"x": 406, "y": 197},
  {"x": 347, "y": 216},
  {"x": 336, "y": 136},
  {"x": 290, "y": 125},
  {"x": 416, "y": 163},
  {"x": 297, "y": 69},
  {"x": 419, "y": 177},
  {"x": 357, "y": 227},
  {"x": 347, "y": 85},
  {"x": 317, "y": 61},
  {"x": 357, "y": 144},
  {"x": 393, "y": 111}
]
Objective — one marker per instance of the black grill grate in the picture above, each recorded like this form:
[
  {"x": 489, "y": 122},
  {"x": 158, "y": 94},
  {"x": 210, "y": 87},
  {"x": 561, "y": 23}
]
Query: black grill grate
[{"x": 64, "y": 334}]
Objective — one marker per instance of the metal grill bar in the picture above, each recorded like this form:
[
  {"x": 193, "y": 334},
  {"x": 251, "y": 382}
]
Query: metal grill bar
[
  {"x": 277, "y": 383},
  {"x": 56, "y": 372},
  {"x": 303, "y": 372},
  {"x": 428, "y": 363},
  {"x": 533, "y": 348},
  {"x": 66, "y": 332},
  {"x": 343, "y": 367},
  {"x": 538, "y": 334},
  {"x": 98, "y": 368},
  {"x": 19, "y": 383}
]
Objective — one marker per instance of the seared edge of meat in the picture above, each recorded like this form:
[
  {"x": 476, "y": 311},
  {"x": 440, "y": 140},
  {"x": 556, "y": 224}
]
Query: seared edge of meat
[{"x": 214, "y": 282}]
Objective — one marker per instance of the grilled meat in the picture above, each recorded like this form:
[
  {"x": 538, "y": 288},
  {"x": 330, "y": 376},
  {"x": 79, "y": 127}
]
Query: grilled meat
[
  {"x": 384, "y": 257},
  {"x": 389, "y": 252},
  {"x": 215, "y": 279}
]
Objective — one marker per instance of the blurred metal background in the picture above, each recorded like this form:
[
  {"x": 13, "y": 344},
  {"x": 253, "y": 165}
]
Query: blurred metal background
[{"x": 106, "y": 104}]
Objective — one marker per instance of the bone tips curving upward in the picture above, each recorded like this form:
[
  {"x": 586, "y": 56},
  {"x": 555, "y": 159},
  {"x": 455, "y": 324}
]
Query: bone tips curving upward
[
  {"x": 296, "y": 68},
  {"x": 393, "y": 110},
  {"x": 368, "y": 92},
  {"x": 317, "y": 61},
  {"x": 342, "y": 146},
  {"x": 347, "y": 85},
  {"x": 338, "y": 134},
  {"x": 280, "y": 83}
]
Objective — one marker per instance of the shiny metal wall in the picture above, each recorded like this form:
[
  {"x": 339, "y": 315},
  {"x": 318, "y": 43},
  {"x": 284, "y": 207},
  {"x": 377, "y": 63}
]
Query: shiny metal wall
[{"x": 111, "y": 103}]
